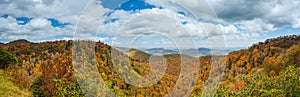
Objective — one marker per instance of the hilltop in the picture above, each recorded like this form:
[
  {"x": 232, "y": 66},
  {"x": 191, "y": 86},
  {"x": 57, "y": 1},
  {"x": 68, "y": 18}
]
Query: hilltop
[
  {"x": 138, "y": 55},
  {"x": 20, "y": 41},
  {"x": 1, "y": 44}
]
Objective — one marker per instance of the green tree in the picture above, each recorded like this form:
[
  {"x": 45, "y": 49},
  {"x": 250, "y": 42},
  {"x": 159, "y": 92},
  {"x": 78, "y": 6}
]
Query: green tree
[
  {"x": 6, "y": 59},
  {"x": 35, "y": 87}
]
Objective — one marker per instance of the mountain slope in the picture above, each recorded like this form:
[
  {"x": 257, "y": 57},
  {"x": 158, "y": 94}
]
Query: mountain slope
[
  {"x": 272, "y": 55},
  {"x": 8, "y": 88},
  {"x": 265, "y": 64},
  {"x": 138, "y": 55}
]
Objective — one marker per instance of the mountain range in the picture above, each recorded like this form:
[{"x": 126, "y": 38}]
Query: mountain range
[
  {"x": 160, "y": 51},
  {"x": 191, "y": 52}
]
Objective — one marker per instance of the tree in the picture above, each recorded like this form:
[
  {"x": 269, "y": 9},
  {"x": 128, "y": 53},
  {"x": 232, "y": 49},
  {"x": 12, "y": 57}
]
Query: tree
[{"x": 6, "y": 59}]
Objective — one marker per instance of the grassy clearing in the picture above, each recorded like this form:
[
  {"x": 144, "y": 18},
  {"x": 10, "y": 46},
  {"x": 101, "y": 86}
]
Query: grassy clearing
[{"x": 9, "y": 89}]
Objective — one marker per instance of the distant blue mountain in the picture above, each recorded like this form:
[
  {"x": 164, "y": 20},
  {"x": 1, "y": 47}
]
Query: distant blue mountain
[
  {"x": 160, "y": 51},
  {"x": 191, "y": 52},
  {"x": 205, "y": 51}
]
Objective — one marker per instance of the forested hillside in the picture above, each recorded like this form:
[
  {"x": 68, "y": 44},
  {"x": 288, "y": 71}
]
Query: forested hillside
[{"x": 269, "y": 68}]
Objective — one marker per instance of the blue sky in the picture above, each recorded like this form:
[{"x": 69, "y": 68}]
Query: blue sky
[{"x": 150, "y": 23}]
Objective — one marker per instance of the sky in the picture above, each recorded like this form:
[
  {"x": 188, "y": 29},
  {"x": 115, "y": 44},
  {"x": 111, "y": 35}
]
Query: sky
[{"x": 151, "y": 23}]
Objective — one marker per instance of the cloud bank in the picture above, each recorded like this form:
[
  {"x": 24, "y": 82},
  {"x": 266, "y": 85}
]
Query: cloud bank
[{"x": 181, "y": 19}]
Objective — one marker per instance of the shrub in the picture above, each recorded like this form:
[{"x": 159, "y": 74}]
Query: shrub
[
  {"x": 65, "y": 88},
  {"x": 36, "y": 87},
  {"x": 6, "y": 59},
  {"x": 285, "y": 84}
]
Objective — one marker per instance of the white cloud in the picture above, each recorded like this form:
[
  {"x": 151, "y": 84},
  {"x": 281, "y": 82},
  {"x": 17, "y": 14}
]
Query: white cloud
[
  {"x": 166, "y": 22},
  {"x": 39, "y": 22},
  {"x": 37, "y": 29},
  {"x": 257, "y": 26},
  {"x": 63, "y": 10},
  {"x": 274, "y": 14},
  {"x": 199, "y": 8},
  {"x": 91, "y": 18}
]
